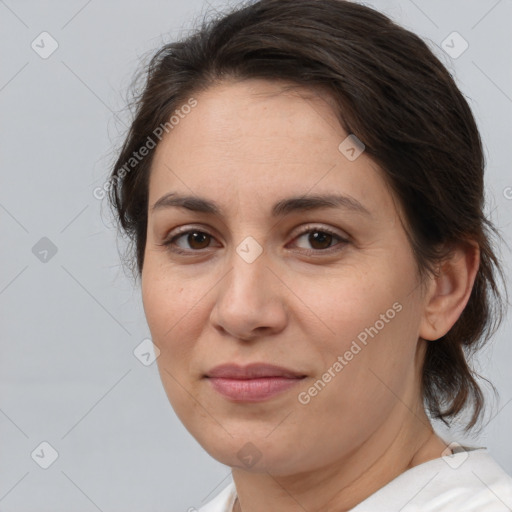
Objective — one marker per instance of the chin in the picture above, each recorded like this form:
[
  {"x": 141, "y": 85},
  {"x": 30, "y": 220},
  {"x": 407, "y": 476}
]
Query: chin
[{"x": 252, "y": 453}]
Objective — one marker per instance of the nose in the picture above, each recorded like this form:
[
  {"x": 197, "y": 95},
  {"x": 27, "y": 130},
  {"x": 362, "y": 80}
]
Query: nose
[{"x": 250, "y": 301}]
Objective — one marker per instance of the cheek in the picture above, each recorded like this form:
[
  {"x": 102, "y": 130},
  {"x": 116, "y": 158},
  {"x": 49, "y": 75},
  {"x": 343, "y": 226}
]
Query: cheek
[
  {"x": 171, "y": 310},
  {"x": 371, "y": 322},
  {"x": 342, "y": 308},
  {"x": 355, "y": 394}
]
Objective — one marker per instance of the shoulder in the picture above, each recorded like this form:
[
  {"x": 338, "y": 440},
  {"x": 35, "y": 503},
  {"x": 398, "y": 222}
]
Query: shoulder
[
  {"x": 223, "y": 502},
  {"x": 470, "y": 480}
]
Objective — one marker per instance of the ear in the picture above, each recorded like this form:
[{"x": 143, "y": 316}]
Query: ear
[{"x": 449, "y": 291}]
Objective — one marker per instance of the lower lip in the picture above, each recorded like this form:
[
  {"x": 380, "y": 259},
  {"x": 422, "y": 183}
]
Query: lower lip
[{"x": 252, "y": 390}]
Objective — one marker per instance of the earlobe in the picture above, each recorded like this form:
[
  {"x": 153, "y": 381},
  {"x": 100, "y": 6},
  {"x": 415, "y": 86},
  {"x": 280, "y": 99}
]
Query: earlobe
[{"x": 449, "y": 291}]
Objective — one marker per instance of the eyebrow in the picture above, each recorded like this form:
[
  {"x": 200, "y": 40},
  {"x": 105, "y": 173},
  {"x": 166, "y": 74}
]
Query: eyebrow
[{"x": 280, "y": 209}]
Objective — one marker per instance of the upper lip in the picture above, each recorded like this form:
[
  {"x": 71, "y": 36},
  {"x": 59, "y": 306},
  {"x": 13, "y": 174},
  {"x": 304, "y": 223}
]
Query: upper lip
[{"x": 252, "y": 371}]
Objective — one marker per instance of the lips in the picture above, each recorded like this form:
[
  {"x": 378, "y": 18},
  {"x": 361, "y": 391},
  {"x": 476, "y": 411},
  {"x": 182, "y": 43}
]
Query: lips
[
  {"x": 253, "y": 383},
  {"x": 252, "y": 371}
]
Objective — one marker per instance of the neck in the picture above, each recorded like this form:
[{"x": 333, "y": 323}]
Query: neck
[{"x": 347, "y": 482}]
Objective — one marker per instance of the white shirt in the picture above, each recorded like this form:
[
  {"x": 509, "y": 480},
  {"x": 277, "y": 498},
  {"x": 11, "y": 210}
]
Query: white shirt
[{"x": 470, "y": 480}]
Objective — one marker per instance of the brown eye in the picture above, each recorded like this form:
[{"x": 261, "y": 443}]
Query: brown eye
[
  {"x": 320, "y": 239},
  {"x": 189, "y": 242},
  {"x": 198, "y": 239}
]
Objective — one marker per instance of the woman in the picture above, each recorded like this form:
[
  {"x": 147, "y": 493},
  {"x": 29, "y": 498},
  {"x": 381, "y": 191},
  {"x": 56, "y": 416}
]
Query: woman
[{"x": 303, "y": 185}]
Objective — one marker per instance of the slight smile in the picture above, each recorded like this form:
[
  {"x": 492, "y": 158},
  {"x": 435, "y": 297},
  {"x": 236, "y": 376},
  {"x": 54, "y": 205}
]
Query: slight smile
[{"x": 252, "y": 383}]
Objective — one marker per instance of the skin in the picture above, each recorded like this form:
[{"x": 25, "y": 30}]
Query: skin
[{"x": 246, "y": 145}]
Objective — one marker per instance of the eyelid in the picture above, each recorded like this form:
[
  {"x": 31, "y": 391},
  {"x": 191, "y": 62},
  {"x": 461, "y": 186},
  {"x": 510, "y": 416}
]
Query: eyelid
[
  {"x": 318, "y": 227},
  {"x": 301, "y": 231},
  {"x": 184, "y": 230}
]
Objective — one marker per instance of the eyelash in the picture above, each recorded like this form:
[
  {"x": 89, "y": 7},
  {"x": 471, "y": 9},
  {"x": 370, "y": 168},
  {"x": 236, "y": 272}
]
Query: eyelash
[{"x": 169, "y": 243}]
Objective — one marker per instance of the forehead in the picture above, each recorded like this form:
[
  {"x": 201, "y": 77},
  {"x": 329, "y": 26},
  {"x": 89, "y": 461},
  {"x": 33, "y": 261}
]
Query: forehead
[
  {"x": 256, "y": 118},
  {"x": 258, "y": 138}
]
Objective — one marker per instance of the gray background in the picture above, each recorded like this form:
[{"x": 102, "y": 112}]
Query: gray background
[{"x": 70, "y": 323}]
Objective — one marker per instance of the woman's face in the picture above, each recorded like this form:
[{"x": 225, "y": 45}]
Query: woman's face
[{"x": 326, "y": 289}]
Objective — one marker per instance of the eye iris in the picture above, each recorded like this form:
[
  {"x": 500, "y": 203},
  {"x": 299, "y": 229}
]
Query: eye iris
[
  {"x": 316, "y": 237},
  {"x": 201, "y": 238}
]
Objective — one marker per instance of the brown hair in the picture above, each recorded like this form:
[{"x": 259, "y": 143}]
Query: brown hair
[{"x": 395, "y": 96}]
